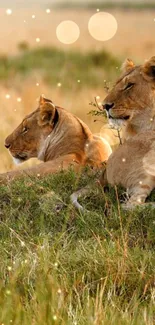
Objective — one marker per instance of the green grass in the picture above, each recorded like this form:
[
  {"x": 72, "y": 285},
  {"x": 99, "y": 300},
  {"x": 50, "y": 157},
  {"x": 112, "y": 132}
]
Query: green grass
[
  {"x": 60, "y": 66},
  {"x": 58, "y": 266},
  {"x": 103, "y": 5}
]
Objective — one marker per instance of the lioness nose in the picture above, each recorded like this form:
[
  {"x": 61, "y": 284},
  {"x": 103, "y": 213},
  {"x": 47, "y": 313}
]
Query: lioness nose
[
  {"x": 107, "y": 106},
  {"x": 7, "y": 145}
]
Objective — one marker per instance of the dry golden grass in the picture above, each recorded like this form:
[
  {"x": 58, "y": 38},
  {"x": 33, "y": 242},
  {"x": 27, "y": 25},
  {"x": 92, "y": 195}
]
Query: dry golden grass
[{"x": 134, "y": 36}]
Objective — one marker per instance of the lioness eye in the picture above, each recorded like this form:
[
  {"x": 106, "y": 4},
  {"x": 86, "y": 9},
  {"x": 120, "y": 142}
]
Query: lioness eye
[
  {"x": 25, "y": 129},
  {"x": 129, "y": 85}
]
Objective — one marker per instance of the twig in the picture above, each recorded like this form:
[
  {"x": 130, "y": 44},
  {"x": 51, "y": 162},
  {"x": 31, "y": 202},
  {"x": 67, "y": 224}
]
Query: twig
[
  {"x": 97, "y": 105},
  {"x": 119, "y": 136},
  {"x": 106, "y": 87},
  {"x": 99, "y": 111}
]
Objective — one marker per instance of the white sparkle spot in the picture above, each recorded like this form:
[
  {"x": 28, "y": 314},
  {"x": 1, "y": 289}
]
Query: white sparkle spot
[
  {"x": 48, "y": 11},
  {"x": 38, "y": 175},
  {"x": 9, "y": 12},
  {"x": 59, "y": 84},
  {"x": 102, "y": 26},
  {"x": 7, "y": 96},
  {"x": 38, "y": 40},
  {"x": 22, "y": 243},
  {"x": 59, "y": 291},
  {"x": 24, "y": 21},
  {"x": 8, "y": 292},
  {"x": 19, "y": 99},
  {"x": 25, "y": 261},
  {"x": 54, "y": 317},
  {"x": 99, "y": 104},
  {"x": 33, "y": 16},
  {"x": 139, "y": 200},
  {"x": 68, "y": 32},
  {"x": 97, "y": 97},
  {"x": 55, "y": 264},
  {"x": 78, "y": 80},
  {"x": 9, "y": 268},
  {"x": 154, "y": 19},
  {"x": 97, "y": 9},
  {"x": 123, "y": 159},
  {"x": 140, "y": 182},
  {"x": 37, "y": 84},
  {"x": 151, "y": 119}
]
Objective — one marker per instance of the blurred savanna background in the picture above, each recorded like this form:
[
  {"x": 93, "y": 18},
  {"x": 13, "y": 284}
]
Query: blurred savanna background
[
  {"x": 59, "y": 266},
  {"x": 34, "y": 61}
]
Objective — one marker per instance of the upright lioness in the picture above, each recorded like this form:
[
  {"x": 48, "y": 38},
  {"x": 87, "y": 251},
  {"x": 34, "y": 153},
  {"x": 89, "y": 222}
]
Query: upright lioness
[
  {"x": 131, "y": 104},
  {"x": 56, "y": 137}
]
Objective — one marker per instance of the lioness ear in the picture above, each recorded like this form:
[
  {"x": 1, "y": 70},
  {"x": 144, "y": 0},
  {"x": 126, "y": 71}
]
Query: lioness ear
[
  {"x": 127, "y": 65},
  {"x": 42, "y": 100},
  {"x": 149, "y": 67},
  {"x": 46, "y": 112}
]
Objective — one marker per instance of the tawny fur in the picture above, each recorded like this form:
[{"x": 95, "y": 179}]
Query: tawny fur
[
  {"x": 131, "y": 104},
  {"x": 56, "y": 137}
]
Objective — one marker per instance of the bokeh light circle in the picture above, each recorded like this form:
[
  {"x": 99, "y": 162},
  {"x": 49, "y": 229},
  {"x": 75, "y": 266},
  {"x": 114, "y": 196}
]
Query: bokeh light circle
[
  {"x": 102, "y": 26},
  {"x": 9, "y": 11},
  {"x": 67, "y": 32}
]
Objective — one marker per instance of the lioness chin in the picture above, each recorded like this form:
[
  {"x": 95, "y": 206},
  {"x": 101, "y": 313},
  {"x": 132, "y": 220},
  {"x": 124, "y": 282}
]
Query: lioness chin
[
  {"x": 56, "y": 137},
  {"x": 131, "y": 105}
]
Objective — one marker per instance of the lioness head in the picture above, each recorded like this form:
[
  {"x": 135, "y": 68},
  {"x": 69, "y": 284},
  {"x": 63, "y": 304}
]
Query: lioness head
[
  {"x": 133, "y": 95},
  {"x": 26, "y": 140}
]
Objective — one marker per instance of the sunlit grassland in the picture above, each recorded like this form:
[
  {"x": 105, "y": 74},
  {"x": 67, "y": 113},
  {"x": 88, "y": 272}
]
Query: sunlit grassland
[
  {"x": 61, "y": 267},
  {"x": 58, "y": 266}
]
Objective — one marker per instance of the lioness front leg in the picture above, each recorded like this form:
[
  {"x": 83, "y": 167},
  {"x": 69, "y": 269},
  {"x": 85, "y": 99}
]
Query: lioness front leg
[
  {"x": 43, "y": 169},
  {"x": 138, "y": 195},
  {"x": 87, "y": 189}
]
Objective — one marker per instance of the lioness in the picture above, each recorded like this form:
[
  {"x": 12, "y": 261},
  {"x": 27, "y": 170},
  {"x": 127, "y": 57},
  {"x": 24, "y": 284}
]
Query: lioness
[
  {"x": 56, "y": 137},
  {"x": 131, "y": 104}
]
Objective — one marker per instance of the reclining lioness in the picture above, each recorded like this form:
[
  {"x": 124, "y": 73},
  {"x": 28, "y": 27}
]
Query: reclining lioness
[
  {"x": 131, "y": 104},
  {"x": 56, "y": 137}
]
